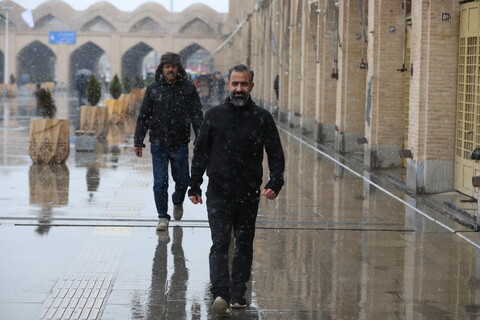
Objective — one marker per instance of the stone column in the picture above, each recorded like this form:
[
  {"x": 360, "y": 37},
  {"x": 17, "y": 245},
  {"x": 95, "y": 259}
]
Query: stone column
[
  {"x": 308, "y": 67},
  {"x": 383, "y": 122},
  {"x": 326, "y": 96},
  {"x": 115, "y": 56},
  {"x": 434, "y": 46},
  {"x": 284, "y": 36},
  {"x": 350, "y": 113},
  {"x": 275, "y": 41},
  {"x": 295, "y": 56},
  {"x": 63, "y": 54}
]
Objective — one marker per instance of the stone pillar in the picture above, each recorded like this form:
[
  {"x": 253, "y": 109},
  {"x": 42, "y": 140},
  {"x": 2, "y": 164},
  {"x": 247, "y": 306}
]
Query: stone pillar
[
  {"x": 258, "y": 57},
  {"x": 12, "y": 56},
  {"x": 326, "y": 97},
  {"x": 308, "y": 67},
  {"x": 284, "y": 36},
  {"x": 350, "y": 113},
  {"x": 271, "y": 65},
  {"x": 295, "y": 56},
  {"x": 434, "y": 46},
  {"x": 383, "y": 122},
  {"x": 62, "y": 71},
  {"x": 275, "y": 65},
  {"x": 115, "y": 56}
]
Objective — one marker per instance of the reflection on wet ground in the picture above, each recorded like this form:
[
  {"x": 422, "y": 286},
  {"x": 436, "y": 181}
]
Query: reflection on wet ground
[{"x": 78, "y": 241}]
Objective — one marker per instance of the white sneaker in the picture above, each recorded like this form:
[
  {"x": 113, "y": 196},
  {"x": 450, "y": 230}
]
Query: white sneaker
[
  {"x": 162, "y": 224},
  {"x": 220, "y": 306}
]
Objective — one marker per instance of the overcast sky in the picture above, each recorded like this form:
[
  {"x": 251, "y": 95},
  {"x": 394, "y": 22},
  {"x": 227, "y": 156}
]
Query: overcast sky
[{"x": 130, "y": 5}]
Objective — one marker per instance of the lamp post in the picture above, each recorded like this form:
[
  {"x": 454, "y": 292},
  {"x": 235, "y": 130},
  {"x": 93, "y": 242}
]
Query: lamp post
[{"x": 5, "y": 58}]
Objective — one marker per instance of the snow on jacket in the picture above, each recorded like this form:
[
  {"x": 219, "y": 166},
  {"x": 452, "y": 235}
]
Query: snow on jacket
[
  {"x": 230, "y": 147},
  {"x": 167, "y": 112}
]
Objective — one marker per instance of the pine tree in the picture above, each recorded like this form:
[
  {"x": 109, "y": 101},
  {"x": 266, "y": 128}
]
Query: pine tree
[
  {"x": 126, "y": 85},
  {"x": 46, "y": 104},
  {"x": 94, "y": 91},
  {"x": 115, "y": 88}
]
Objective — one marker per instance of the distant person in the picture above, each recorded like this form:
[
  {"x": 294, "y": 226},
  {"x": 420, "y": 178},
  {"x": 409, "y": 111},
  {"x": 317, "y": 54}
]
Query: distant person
[
  {"x": 170, "y": 107},
  {"x": 230, "y": 148},
  {"x": 220, "y": 85},
  {"x": 81, "y": 85},
  {"x": 38, "y": 87},
  {"x": 276, "y": 86}
]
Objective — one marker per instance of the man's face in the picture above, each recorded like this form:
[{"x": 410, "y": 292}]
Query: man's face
[
  {"x": 239, "y": 87},
  {"x": 170, "y": 72}
]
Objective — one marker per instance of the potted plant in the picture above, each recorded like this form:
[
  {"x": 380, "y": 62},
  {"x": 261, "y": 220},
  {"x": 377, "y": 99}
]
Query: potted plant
[
  {"x": 127, "y": 96},
  {"x": 45, "y": 103},
  {"x": 137, "y": 90},
  {"x": 49, "y": 137},
  {"x": 93, "y": 119},
  {"x": 115, "y": 107},
  {"x": 47, "y": 82}
]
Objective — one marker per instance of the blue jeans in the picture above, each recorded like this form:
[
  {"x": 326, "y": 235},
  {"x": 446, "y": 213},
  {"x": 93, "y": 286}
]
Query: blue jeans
[{"x": 178, "y": 156}]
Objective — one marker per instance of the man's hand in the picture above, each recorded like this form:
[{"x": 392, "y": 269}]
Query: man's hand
[
  {"x": 269, "y": 193},
  {"x": 196, "y": 199},
  {"x": 138, "y": 151}
]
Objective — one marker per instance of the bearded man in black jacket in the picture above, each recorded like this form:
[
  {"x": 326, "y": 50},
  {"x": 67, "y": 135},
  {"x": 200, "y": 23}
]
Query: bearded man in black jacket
[
  {"x": 230, "y": 147},
  {"x": 170, "y": 106}
]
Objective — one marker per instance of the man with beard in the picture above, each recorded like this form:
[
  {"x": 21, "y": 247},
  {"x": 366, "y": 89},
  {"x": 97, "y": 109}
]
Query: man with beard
[
  {"x": 230, "y": 147},
  {"x": 170, "y": 106}
]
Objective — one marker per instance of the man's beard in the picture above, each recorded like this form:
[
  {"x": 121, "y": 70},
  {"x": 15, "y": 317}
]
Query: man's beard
[{"x": 239, "y": 99}]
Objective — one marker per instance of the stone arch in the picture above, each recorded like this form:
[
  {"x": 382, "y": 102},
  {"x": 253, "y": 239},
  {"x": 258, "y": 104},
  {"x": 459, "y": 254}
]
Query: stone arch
[
  {"x": 193, "y": 54},
  {"x": 36, "y": 62},
  {"x": 50, "y": 22},
  {"x": 85, "y": 57},
  {"x": 147, "y": 25},
  {"x": 11, "y": 25},
  {"x": 98, "y": 24},
  {"x": 132, "y": 60},
  {"x": 196, "y": 26}
]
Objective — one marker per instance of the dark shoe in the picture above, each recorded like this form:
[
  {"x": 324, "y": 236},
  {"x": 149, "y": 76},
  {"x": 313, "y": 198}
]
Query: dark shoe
[
  {"x": 238, "y": 303},
  {"x": 220, "y": 306},
  {"x": 177, "y": 211}
]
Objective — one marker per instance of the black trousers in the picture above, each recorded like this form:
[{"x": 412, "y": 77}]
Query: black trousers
[{"x": 227, "y": 213}]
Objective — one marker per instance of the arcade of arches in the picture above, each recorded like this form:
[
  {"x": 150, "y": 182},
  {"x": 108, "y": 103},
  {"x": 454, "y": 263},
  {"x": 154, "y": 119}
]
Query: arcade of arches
[
  {"x": 376, "y": 79},
  {"x": 108, "y": 41}
]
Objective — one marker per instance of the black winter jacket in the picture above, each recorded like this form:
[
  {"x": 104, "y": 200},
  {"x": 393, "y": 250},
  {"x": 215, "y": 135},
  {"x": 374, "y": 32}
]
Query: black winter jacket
[
  {"x": 167, "y": 112},
  {"x": 230, "y": 147}
]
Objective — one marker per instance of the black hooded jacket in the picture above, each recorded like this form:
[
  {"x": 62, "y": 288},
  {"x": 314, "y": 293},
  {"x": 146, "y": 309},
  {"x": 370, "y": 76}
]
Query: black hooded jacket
[
  {"x": 167, "y": 112},
  {"x": 230, "y": 147}
]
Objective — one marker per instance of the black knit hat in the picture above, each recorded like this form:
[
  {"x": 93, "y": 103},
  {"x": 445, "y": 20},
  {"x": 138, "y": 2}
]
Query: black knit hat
[{"x": 170, "y": 58}]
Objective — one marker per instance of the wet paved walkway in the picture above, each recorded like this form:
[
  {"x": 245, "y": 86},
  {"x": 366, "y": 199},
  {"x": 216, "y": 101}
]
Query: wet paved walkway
[{"x": 78, "y": 241}]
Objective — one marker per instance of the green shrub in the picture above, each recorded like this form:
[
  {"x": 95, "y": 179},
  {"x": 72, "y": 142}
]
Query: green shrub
[
  {"x": 126, "y": 85},
  {"x": 139, "y": 83},
  {"x": 12, "y": 79},
  {"x": 115, "y": 88},
  {"x": 46, "y": 104},
  {"x": 94, "y": 91},
  {"x": 150, "y": 79}
]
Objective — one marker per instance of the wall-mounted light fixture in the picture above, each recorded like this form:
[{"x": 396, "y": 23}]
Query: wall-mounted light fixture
[
  {"x": 405, "y": 153},
  {"x": 476, "y": 181},
  {"x": 362, "y": 140},
  {"x": 475, "y": 154}
]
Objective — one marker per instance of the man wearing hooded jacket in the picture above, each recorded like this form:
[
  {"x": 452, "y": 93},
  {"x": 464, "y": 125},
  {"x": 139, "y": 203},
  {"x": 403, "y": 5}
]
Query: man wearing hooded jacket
[
  {"x": 170, "y": 106},
  {"x": 230, "y": 147}
]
